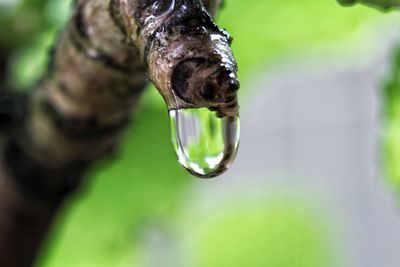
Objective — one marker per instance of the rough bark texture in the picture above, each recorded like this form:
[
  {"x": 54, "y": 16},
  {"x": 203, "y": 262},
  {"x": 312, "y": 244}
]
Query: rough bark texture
[
  {"x": 76, "y": 114},
  {"x": 187, "y": 55}
]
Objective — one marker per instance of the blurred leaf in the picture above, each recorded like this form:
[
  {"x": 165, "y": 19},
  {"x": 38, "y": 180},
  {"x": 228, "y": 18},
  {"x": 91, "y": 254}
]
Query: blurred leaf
[
  {"x": 384, "y": 5},
  {"x": 22, "y": 21},
  {"x": 29, "y": 63},
  {"x": 391, "y": 140},
  {"x": 283, "y": 234},
  {"x": 57, "y": 11},
  {"x": 152, "y": 98},
  {"x": 276, "y": 28}
]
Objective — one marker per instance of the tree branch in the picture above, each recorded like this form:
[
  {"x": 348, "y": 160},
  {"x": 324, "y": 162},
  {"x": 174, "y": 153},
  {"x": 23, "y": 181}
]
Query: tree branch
[{"x": 76, "y": 114}]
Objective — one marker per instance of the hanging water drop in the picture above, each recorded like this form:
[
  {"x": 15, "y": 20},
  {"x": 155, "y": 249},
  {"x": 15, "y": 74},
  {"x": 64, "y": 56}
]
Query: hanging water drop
[{"x": 204, "y": 143}]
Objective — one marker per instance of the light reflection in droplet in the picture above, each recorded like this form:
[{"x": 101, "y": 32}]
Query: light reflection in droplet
[{"x": 205, "y": 144}]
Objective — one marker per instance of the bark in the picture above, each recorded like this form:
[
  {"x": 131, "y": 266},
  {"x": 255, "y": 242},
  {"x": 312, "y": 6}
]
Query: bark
[{"x": 76, "y": 115}]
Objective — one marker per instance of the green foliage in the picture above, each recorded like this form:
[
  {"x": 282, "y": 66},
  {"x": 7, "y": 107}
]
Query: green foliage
[
  {"x": 28, "y": 31},
  {"x": 280, "y": 234},
  {"x": 22, "y": 20},
  {"x": 383, "y": 5},
  {"x": 265, "y": 30},
  {"x": 391, "y": 96},
  {"x": 29, "y": 62},
  {"x": 347, "y": 2}
]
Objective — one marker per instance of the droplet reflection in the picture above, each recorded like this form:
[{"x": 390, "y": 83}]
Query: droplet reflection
[{"x": 205, "y": 144}]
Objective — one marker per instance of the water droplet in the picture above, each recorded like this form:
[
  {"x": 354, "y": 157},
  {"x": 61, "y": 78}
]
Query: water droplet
[{"x": 205, "y": 144}]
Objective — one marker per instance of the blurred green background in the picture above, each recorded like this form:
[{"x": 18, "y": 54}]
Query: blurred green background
[{"x": 144, "y": 190}]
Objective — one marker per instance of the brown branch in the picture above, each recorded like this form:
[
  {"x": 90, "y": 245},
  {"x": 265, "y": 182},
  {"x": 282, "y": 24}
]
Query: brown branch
[
  {"x": 188, "y": 56},
  {"x": 77, "y": 113}
]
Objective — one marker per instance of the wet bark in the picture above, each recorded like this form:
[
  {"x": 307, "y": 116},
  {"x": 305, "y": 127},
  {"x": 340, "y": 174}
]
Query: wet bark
[{"x": 76, "y": 115}]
